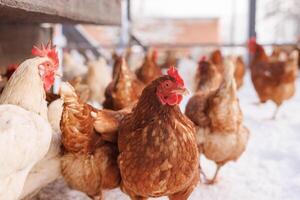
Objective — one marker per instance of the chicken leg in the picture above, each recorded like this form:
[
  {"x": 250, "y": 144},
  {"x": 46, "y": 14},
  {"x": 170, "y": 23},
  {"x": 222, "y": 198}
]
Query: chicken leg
[
  {"x": 202, "y": 172},
  {"x": 275, "y": 112},
  {"x": 213, "y": 180}
]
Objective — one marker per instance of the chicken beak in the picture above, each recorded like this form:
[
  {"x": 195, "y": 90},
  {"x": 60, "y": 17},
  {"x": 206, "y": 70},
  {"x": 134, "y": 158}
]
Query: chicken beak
[{"x": 182, "y": 91}]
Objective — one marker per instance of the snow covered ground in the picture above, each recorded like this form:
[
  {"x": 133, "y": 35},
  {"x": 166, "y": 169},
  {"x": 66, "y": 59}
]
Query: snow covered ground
[{"x": 269, "y": 168}]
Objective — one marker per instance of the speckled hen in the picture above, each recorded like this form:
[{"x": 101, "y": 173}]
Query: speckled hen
[
  {"x": 89, "y": 163},
  {"x": 157, "y": 144},
  {"x": 221, "y": 135},
  {"x": 125, "y": 88}
]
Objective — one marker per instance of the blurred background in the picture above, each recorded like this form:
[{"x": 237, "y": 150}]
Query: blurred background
[
  {"x": 139, "y": 24},
  {"x": 96, "y": 36}
]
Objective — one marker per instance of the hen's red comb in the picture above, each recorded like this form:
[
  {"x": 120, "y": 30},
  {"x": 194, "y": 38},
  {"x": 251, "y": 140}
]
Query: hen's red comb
[
  {"x": 252, "y": 40},
  {"x": 49, "y": 51},
  {"x": 203, "y": 58},
  {"x": 172, "y": 71}
]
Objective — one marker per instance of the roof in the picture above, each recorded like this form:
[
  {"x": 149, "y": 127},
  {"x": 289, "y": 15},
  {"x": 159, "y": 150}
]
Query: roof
[
  {"x": 179, "y": 31},
  {"x": 161, "y": 31}
]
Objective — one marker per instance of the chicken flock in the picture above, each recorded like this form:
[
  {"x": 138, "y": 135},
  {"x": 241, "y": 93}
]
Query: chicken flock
[{"x": 126, "y": 130}]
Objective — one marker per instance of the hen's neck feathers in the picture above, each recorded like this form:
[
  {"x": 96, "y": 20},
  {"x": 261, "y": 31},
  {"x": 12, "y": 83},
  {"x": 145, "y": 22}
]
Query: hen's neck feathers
[
  {"x": 25, "y": 88},
  {"x": 149, "y": 107},
  {"x": 260, "y": 53}
]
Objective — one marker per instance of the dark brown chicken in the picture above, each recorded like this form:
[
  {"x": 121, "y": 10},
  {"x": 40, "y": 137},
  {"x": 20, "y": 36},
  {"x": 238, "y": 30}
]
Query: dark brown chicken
[
  {"x": 124, "y": 90},
  {"x": 149, "y": 70},
  {"x": 273, "y": 78},
  {"x": 89, "y": 161},
  {"x": 157, "y": 144}
]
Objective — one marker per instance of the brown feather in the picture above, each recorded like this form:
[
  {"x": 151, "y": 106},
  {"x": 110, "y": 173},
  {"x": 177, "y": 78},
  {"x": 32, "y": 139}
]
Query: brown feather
[{"x": 89, "y": 163}]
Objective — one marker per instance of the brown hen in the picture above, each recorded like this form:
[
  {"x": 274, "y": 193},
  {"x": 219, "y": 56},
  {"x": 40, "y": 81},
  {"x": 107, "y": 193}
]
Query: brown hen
[
  {"x": 218, "y": 60},
  {"x": 240, "y": 71},
  {"x": 149, "y": 70},
  {"x": 207, "y": 78},
  {"x": 272, "y": 77},
  {"x": 221, "y": 135},
  {"x": 89, "y": 163},
  {"x": 157, "y": 144},
  {"x": 124, "y": 90}
]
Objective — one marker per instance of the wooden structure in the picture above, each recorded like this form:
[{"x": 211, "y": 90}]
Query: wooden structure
[
  {"x": 20, "y": 22},
  {"x": 105, "y": 12}
]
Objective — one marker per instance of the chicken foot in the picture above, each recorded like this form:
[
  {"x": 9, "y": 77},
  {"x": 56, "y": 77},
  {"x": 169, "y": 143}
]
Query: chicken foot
[{"x": 98, "y": 197}]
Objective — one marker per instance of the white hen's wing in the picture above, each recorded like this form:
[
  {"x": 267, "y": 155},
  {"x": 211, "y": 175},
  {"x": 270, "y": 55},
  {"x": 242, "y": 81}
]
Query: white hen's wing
[
  {"x": 48, "y": 169},
  {"x": 24, "y": 140}
]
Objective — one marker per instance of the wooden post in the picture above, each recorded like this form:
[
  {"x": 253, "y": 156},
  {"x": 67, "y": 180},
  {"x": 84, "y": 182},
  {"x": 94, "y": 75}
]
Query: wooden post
[
  {"x": 125, "y": 26},
  {"x": 252, "y": 20}
]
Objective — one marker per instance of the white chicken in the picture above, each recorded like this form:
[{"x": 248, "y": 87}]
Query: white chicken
[
  {"x": 98, "y": 77},
  {"x": 25, "y": 131},
  {"x": 25, "y": 139},
  {"x": 48, "y": 169}
]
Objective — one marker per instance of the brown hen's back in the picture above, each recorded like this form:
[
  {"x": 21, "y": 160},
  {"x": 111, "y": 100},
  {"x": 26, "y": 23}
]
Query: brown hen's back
[
  {"x": 124, "y": 90},
  {"x": 217, "y": 59},
  {"x": 89, "y": 163},
  {"x": 149, "y": 70},
  {"x": 221, "y": 134},
  {"x": 273, "y": 79},
  {"x": 117, "y": 64},
  {"x": 208, "y": 78},
  {"x": 158, "y": 150},
  {"x": 78, "y": 134},
  {"x": 196, "y": 109},
  {"x": 239, "y": 71}
]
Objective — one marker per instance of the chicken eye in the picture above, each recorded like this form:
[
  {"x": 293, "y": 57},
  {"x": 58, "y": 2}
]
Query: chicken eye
[{"x": 167, "y": 84}]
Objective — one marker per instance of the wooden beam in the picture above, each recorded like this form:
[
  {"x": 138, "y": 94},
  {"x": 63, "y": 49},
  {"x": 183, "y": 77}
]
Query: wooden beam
[
  {"x": 104, "y": 12},
  {"x": 16, "y": 41}
]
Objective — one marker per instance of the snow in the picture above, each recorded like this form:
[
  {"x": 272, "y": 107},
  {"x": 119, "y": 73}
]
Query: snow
[{"x": 268, "y": 169}]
